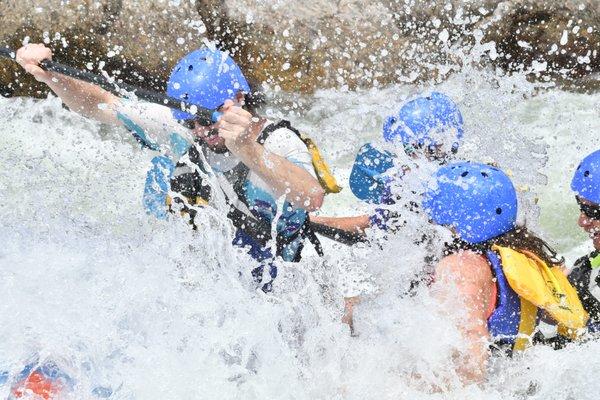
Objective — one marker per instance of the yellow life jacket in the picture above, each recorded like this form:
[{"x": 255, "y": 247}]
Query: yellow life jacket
[{"x": 541, "y": 287}]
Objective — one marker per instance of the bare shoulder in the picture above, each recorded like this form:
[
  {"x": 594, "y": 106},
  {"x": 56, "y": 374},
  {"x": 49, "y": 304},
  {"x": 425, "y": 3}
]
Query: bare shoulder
[
  {"x": 463, "y": 258},
  {"x": 465, "y": 264}
]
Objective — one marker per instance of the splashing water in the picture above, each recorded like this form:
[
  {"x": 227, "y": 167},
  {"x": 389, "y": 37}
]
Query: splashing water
[{"x": 151, "y": 309}]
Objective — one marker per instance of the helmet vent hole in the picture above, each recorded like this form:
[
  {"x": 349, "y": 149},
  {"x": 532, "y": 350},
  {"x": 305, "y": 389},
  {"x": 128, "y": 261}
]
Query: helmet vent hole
[
  {"x": 484, "y": 174},
  {"x": 178, "y": 69},
  {"x": 586, "y": 174},
  {"x": 186, "y": 96},
  {"x": 190, "y": 67},
  {"x": 464, "y": 174},
  {"x": 498, "y": 211}
]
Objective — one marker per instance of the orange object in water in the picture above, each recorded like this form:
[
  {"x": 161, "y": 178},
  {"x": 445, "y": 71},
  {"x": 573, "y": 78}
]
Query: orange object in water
[{"x": 38, "y": 384}]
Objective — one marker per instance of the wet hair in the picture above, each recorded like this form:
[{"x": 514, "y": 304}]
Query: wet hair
[{"x": 519, "y": 238}]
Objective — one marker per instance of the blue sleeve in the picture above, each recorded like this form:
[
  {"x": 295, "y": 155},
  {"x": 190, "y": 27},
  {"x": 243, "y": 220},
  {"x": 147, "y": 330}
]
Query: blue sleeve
[{"x": 385, "y": 220}]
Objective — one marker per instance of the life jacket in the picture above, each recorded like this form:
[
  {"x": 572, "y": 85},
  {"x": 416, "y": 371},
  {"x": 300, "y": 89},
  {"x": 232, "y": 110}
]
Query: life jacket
[
  {"x": 581, "y": 278},
  {"x": 191, "y": 191},
  {"x": 526, "y": 285},
  {"x": 45, "y": 381}
]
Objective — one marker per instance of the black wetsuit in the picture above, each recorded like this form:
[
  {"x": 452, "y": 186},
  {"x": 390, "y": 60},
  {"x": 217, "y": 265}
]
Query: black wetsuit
[{"x": 580, "y": 278}]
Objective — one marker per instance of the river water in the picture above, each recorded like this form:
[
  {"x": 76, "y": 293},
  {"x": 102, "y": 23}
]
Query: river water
[{"x": 149, "y": 309}]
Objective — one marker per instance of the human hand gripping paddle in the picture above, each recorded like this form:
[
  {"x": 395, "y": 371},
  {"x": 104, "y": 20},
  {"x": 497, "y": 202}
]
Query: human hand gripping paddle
[{"x": 205, "y": 116}]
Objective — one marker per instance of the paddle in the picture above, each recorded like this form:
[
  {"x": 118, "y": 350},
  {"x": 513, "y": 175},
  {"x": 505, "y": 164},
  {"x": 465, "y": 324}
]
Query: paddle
[
  {"x": 205, "y": 116},
  {"x": 339, "y": 235}
]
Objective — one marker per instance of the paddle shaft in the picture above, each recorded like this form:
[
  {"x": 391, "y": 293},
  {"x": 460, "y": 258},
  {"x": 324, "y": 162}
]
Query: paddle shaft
[
  {"x": 261, "y": 230},
  {"x": 205, "y": 116},
  {"x": 337, "y": 234}
]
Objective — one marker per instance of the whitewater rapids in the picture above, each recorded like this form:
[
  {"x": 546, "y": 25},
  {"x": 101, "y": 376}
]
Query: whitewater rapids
[{"x": 152, "y": 310}]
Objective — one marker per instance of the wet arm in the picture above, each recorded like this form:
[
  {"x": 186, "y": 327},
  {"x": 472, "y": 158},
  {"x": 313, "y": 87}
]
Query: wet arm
[
  {"x": 239, "y": 129},
  {"x": 356, "y": 224},
  {"x": 84, "y": 98},
  {"x": 302, "y": 190}
]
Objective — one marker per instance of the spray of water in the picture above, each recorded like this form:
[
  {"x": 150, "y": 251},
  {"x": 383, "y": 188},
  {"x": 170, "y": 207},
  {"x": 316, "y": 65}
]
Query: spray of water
[{"x": 151, "y": 309}]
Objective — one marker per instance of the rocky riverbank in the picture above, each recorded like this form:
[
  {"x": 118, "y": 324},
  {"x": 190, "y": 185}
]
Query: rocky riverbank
[{"x": 303, "y": 46}]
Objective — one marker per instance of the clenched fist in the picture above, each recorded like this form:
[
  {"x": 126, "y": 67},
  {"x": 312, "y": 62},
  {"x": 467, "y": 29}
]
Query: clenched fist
[
  {"x": 30, "y": 56},
  {"x": 236, "y": 124}
]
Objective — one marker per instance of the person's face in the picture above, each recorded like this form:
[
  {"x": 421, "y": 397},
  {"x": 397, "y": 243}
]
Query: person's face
[
  {"x": 429, "y": 153},
  {"x": 210, "y": 136},
  {"x": 435, "y": 153},
  {"x": 589, "y": 220}
]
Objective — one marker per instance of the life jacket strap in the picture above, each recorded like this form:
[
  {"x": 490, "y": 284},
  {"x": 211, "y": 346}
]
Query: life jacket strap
[
  {"x": 253, "y": 227},
  {"x": 305, "y": 232},
  {"x": 527, "y": 325}
]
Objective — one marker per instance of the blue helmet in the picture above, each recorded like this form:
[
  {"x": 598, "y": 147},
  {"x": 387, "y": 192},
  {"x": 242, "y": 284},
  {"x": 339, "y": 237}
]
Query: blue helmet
[
  {"x": 420, "y": 121},
  {"x": 367, "y": 180},
  {"x": 479, "y": 201},
  {"x": 206, "y": 78},
  {"x": 586, "y": 181}
]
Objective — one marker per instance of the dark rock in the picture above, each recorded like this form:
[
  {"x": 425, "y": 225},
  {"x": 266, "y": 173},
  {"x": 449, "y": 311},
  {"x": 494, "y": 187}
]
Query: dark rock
[
  {"x": 301, "y": 46},
  {"x": 550, "y": 39}
]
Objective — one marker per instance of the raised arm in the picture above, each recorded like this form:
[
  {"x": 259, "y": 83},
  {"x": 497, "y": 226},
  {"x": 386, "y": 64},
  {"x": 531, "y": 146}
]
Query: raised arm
[
  {"x": 301, "y": 189},
  {"x": 239, "y": 130},
  {"x": 84, "y": 98}
]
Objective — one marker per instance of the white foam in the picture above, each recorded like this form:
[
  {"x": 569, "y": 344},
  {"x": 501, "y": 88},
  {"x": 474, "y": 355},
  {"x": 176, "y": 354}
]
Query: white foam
[{"x": 154, "y": 310}]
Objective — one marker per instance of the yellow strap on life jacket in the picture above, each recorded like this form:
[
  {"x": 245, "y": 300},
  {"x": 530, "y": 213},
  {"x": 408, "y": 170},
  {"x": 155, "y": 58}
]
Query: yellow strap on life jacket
[
  {"x": 324, "y": 175},
  {"x": 545, "y": 287},
  {"x": 197, "y": 201},
  {"x": 527, "y": 324}
]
